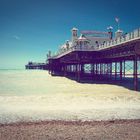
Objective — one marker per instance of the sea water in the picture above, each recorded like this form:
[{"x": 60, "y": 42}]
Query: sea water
[{"x": 34, "y": 95}]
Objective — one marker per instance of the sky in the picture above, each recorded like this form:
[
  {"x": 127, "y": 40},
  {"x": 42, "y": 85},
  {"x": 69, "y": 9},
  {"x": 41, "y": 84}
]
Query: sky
[{"x": 30, "y": 28}]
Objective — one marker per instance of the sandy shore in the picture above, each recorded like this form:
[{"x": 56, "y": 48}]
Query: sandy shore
[
  {"x": 35, "y": 95},
  {"x": 36, "y": 98},
  {"x": 62, "y": 130}
]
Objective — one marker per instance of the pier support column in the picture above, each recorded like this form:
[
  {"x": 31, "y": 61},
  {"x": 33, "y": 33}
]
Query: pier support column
[
  {"x": 135, "y": 73},
  {"x": 49, "y": 67},
  {"x": 93, "y": 70},
  {"x": 101, "y": 70},
  {"x": 78, "y": 71},
  {"x": 97, "y": 70},
  {"x": 78, "y": 56},
  {"x": 124, "y": 68},
  {"x": 71, "y": 68},
  {"x": 65, "y": 69},
  {"x": 104, "y": 70},
  {"x": 115, "y": 70},
  {"x": 121, "y": 70},
  {"x": 108, "y": 70},
  {"x": 111, "y": 70},
  {"x": 82, "y": 70}
]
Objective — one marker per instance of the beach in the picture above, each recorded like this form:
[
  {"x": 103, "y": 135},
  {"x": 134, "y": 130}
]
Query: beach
[
  {"x": 62, "y": 130},
  {"x": 35, "y": 105}
]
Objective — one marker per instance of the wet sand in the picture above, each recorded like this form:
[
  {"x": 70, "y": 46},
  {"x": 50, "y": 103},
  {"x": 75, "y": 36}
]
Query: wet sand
[{"x": 62, "y": 130}]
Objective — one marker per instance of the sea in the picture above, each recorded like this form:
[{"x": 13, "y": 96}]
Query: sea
[{"x": 34, "y": 95}]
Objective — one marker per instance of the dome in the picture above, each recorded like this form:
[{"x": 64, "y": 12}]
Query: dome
[
  {"x": 119, "y": 31},
  {"x": 74, "y": 29}
]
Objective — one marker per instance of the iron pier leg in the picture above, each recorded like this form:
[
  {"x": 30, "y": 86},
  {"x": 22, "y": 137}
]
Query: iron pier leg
[
  {"x": 108, "y": 71},
  {"x": 65, "y": 70},
  {"x": 94, "y": 70},
  {"x": 104, "y": 70},
  {"x": 82, "y": 70},
  {"x": 111, "y": 70},
  {"x": 98, "y": 71},
  {"x": 135, "y": 73},
  {"x": 124, "y": 69},
  {"x": 78, "y": 72},
  {"x": 121, "y": 70},
  {"x": 101, "y": 70},
  {"x": 115, "y": 70}
]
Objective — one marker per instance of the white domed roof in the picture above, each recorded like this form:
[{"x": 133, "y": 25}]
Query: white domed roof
[
  {"x": 119, "y": 31},
  {"x": 74, "y": 29}
]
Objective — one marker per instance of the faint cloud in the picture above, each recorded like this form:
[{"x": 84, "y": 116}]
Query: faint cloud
[{"x": 16, "y": 37}]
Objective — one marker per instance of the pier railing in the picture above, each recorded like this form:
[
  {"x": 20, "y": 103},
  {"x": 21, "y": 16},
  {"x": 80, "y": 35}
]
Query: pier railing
[
  {"x": 120, "y": 40},
  {"x": 114, "y": 42}
]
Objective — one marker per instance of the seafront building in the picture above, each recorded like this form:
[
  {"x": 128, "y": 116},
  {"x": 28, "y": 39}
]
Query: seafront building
[
  {"x": 86, "y": 41},
  {"x": 106, "y": 55}
]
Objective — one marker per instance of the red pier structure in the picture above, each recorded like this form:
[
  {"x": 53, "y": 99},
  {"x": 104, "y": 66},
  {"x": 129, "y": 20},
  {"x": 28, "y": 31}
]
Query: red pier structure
[{"x": 108, "y": 58}]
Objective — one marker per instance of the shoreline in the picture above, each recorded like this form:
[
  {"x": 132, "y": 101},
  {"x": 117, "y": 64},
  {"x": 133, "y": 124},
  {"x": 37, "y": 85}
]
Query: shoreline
[{"x": 72, "y": 122}]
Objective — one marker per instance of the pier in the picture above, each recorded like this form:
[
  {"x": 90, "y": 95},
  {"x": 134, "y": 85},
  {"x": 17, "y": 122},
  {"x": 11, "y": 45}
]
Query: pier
[
  {"x": 34, "y": 65},
  {"x": 108, "y": 58}
]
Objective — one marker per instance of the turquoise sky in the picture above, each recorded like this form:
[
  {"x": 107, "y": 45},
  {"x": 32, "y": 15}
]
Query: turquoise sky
[{"x": 29, "y": 28}]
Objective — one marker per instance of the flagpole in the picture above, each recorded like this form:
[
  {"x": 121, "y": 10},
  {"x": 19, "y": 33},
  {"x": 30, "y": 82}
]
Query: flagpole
[
  {"x": 118, "y": 22},
  {"x": 118, "y": 25}
]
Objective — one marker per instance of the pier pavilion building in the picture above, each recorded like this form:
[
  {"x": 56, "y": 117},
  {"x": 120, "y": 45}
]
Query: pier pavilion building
[{"x": 107, "y": 56}]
